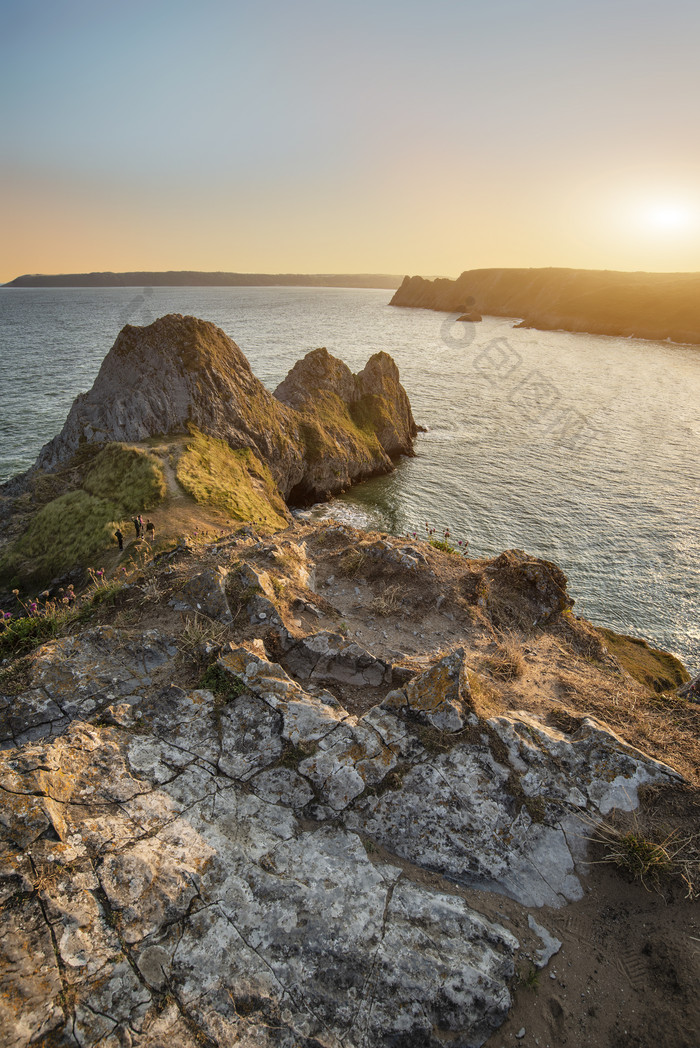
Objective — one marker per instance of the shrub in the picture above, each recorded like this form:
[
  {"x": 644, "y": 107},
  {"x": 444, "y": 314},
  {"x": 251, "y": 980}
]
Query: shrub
[
  {"x": 441, "y": 545},
  {"x": 22, "y": 634},
  {"x": 223, "y": 685}
]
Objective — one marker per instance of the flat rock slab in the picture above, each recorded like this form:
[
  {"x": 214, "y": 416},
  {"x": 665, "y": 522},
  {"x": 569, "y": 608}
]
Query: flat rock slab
[{"x": 191, "y": 866}]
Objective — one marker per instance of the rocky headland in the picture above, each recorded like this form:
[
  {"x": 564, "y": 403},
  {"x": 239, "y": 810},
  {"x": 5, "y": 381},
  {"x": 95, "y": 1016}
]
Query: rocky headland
[
  {"x": 632, "y": 305},
  {"x": 176, "y": 410},
  {"x": 269, "y": 782}
]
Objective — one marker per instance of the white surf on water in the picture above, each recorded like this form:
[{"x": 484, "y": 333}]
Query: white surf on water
[{"x": 581, "y": 449}]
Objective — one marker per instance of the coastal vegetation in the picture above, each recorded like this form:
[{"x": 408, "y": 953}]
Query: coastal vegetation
[
  {"x": 71, "y": 529},
  {"x": 235, "y": 481},
  {"x": 657, "y": 670}
]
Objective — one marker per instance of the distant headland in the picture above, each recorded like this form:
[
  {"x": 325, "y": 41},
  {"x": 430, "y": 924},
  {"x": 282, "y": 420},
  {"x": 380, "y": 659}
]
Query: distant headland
[
  {"x": 656, "y": 306},
  {"x": 192, "y": 278}
]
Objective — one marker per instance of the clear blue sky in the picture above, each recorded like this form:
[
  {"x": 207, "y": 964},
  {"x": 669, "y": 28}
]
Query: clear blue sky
[{"x": 326, "y": 136}]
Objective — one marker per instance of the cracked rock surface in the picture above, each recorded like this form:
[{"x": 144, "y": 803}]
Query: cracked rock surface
[
  {"x": 257, "y": 861},
  {"x": 212, "y": 862}
]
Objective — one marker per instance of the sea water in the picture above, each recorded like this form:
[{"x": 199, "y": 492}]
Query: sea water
[{"x": 581, "y": 449}]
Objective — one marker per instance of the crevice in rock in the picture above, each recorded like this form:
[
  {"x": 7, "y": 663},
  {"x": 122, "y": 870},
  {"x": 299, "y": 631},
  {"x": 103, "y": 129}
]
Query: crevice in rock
[
  {"x": 60, "y": 967},
  {"x": 369, "y": 981},
  {"x": 299, "y": 1001}
]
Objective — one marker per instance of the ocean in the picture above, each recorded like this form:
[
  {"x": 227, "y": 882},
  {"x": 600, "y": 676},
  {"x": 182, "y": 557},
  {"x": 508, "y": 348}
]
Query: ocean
[{"x": 581, "y": 449}]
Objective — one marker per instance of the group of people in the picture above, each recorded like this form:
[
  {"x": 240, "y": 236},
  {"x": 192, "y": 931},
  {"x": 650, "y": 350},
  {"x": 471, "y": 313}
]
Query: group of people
[{"x": 148, "y": 530}]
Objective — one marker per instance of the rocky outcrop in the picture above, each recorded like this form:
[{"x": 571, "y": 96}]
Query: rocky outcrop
[
  {"x": 176, "y": 373},
  {"x": 324, "y": 429},
  {"x": 240, "y": 829},
  {"x": 211, "y": 868},
  {"x": 638, "y": 305},
  {"x": 353, "y": 425}
]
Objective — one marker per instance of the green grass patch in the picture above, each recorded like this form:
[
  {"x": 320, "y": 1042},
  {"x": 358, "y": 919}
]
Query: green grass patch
[
  {"x": 327, "y": 427},
  {"x": 223, "y": 685},
  {"x": 22, "y": 635},
  {"x": 75, "y": 527},
  {"x": 657, "y": 670},
  {"x": 70, "y": 530},
  {"x": 130, "y": 478},
  {"x": 234, "y": 481},
  {"x": 444, "y": 546}
]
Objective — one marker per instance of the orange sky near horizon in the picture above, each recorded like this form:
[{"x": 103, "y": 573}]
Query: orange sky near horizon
[{"x": 331, "y": 138}]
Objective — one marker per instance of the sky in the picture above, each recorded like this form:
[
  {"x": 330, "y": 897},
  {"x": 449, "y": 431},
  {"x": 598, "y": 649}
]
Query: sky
[{"x": 320, "y": 136}]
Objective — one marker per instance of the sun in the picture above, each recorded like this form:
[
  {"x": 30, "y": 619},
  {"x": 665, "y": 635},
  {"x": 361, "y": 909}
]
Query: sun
[{"x": 667, "y": 217}]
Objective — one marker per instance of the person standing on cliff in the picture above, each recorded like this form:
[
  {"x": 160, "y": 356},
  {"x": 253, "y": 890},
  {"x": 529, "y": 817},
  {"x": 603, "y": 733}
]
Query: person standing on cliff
[
  {"x": 150, "y": 530},
  {"x": 136, "y": 521},
  {"x": 119, "y": 537}
]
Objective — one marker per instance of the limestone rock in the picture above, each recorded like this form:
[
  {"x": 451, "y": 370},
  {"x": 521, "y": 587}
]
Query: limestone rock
[
  {"x": 323, "y": 429},
  {"x": 177, "y": 866},
  {"x": 180, "y": 371},
  {"x": 441, "y": 696},
  {"x": 208, "y": 887},
  {"x": 352, "y": 425},
  {"x": 524, "y": 590},
  {"x": 206, "y": 593},
  {"x": 329, "y": 656}
]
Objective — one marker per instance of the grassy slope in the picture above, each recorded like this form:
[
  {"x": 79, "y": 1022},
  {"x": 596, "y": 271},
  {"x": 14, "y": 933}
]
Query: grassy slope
[
  {"x": 236, "y": 482},
  {"x": 657, "y": 670},
  {"x": 73, "y": 528}
]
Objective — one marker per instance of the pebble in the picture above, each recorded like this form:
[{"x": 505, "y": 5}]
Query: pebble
[{"x": 521, "y": 1033}]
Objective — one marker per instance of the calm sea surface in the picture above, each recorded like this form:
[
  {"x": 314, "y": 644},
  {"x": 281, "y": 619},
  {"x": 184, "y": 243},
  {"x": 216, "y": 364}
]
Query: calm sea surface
[{"x": 581, "y": 449}]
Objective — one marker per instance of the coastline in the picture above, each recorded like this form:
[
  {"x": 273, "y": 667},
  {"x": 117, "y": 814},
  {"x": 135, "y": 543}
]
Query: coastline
[{"x": 655, "y": 307}]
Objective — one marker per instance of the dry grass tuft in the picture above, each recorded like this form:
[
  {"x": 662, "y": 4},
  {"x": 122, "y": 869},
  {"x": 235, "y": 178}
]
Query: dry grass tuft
[
  {"x": 652, "y": 850},
  {"x": 351, "y": 564},
  {"x": 200, "y": 632},
  {"x": 388, "y": 602},
  {"x": 508, "y": 663}
]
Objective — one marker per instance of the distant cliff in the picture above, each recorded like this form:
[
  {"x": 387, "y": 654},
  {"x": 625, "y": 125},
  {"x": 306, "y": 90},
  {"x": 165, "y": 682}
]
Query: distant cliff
[
  {"x": 191, "y": 278},
  {"x": 639, "y": 305}
]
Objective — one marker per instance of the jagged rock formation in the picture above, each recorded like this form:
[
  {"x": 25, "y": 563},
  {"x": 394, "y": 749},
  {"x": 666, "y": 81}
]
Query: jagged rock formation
[
  {"x": 181, "y": 372},
  {"x": 353, "y": 425},
  {"x": 174, "y": 373},
  {"x": 281, "y": 836},
  {"x": 639, "y": 305}
]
